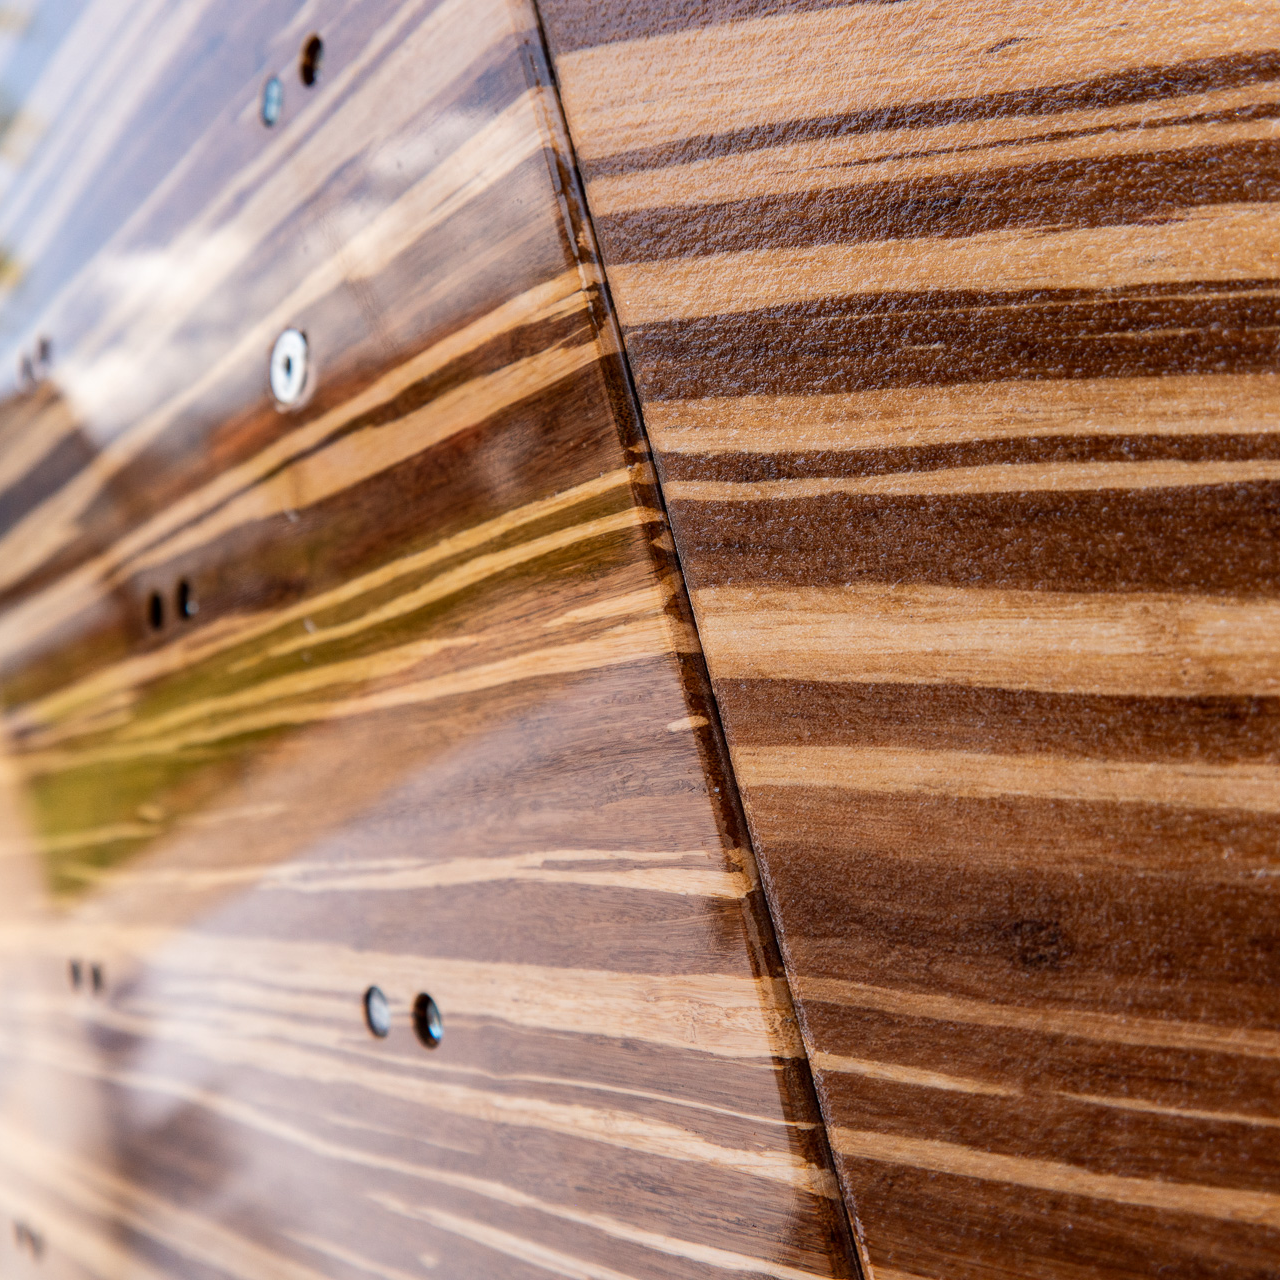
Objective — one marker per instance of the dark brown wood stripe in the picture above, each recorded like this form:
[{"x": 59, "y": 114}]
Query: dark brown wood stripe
[
  {"x": 1019, "y": 832},
  {"x": 1094, "y": 191},
  {"x": 1068, "y": 1235},
  {"x": 1171, "y": 1148},
  {"x": 946, "y": 717},
  {"x": 1123, "y": 947},
  {"x": 1151, "y": 83},
  {"x": 1216, "y": 540},
  {"x": 862, "y": 1041},
  {"x": 939, "y": 339}
]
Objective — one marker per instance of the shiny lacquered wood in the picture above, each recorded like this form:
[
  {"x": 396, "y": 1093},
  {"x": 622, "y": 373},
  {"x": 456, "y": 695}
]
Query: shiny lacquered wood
[
  {"x": 396, "y": 689},
  {"x": 955, "y": 331}
]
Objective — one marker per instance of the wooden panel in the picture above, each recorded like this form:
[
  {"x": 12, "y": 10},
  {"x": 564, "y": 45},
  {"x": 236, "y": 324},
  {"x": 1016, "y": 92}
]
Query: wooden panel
[
  {"x": 955, "y": 328},
  {"x": 433, "y": 719}
]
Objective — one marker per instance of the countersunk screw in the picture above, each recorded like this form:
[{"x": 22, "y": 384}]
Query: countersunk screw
[{"x": 272, "y": 101}]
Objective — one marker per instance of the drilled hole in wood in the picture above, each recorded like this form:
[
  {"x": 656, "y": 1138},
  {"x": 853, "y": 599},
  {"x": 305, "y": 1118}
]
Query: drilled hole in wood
[
  {"x": 155, "y": 611},
  {"x": 427, "y": 1022},
  {"x": 96, "y": 979},
  {"x": 186, "y": 600},
  {"x": 75, "y": 974},
  {"x": 377, "y": 1012},
  {"x": 309, "y": 62}
]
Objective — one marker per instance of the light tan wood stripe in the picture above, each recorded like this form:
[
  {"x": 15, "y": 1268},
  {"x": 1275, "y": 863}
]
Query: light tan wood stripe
[
  {"x": 1236, "y": 404},
  {"x": 1005, "y": 477},
  {"x": 1215, "y": 243},
  {"x": 22, "y": 451},
  {"x": 548, "y": 866},
  {"x": 901, "y": 155},
  {"x": 897, "y": 1073},
  {"x": 1045, "y": 1019},
  {"x": 1178, "y": 1113},
  {"x": 655, "y": 637},
  {"x": 640, "y": 93},
  {"x": 1140, "y": 645},
  {"x": 618, "y": 868},
  {"x": 1252, "y": 788},
  {"x": 649, "y": 599},
  {"x": 1229, "y": 1204}
]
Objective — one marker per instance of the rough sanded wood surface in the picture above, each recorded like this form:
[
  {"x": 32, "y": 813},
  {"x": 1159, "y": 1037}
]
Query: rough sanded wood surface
[
  {"x": 955, "y": 328},
  {"x": 433, "y": 716}
]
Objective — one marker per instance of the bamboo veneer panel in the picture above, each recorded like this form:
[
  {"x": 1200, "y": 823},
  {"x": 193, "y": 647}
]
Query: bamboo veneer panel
[
  {"x": 439, "y": 724},
  {"x": 955, "y": 329}
]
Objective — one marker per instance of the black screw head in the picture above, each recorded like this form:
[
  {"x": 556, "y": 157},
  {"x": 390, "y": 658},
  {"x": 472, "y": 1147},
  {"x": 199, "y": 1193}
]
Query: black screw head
[
  {"x": 188, "y": 607},
  {"x": 155, "y": 611},
  {"x": 427, "y": 1022},
  {"x": 377, "y": 1012}
]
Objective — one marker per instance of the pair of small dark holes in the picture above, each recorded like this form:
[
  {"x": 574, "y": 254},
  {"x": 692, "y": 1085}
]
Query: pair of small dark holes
[
  {"x": 184, "y": 600},
  {"x": 78, "y": 973},
  {"x": 428, "y": 1025},
  {"x": 34, "y": 365}
]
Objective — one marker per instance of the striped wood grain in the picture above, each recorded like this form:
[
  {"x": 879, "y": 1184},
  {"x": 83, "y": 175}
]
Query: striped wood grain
[
  {"x": 955, "y": 328},
  {"x": 440, "y": 722}
]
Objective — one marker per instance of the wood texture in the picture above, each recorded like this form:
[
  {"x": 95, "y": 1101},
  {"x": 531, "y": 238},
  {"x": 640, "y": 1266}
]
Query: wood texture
[
  {"x": 955, "y": 328},
  {"x": 438, "y": 721}
]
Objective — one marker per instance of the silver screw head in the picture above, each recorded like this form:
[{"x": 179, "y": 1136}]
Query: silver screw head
[
  {"x": 272, "y": 101},
  {"x": 377, "y": 1012},
  {"x": 289, "y": 367}
]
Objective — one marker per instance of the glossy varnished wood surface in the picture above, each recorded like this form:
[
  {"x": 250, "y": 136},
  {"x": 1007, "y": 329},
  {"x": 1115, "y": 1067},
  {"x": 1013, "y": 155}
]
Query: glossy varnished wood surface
[
  {"x": 955, "y": 332},
  {"x": 440, "y": 722}
]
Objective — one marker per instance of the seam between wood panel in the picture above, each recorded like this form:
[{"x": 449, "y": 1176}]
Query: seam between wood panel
[{"x": 767, "y": 954}]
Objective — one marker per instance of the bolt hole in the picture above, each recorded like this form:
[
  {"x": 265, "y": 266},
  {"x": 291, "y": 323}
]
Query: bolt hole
[
  {"x": 309, "y": 62},
  {"x": 75, "y": 974},
  {"x": 188, "y": 607},
  {"x": 377, "y": 1013},
  {"x": 427, "y": 1022},
  {"x": 96, "y": 980},
  {"x": 155, "y": 611}
]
